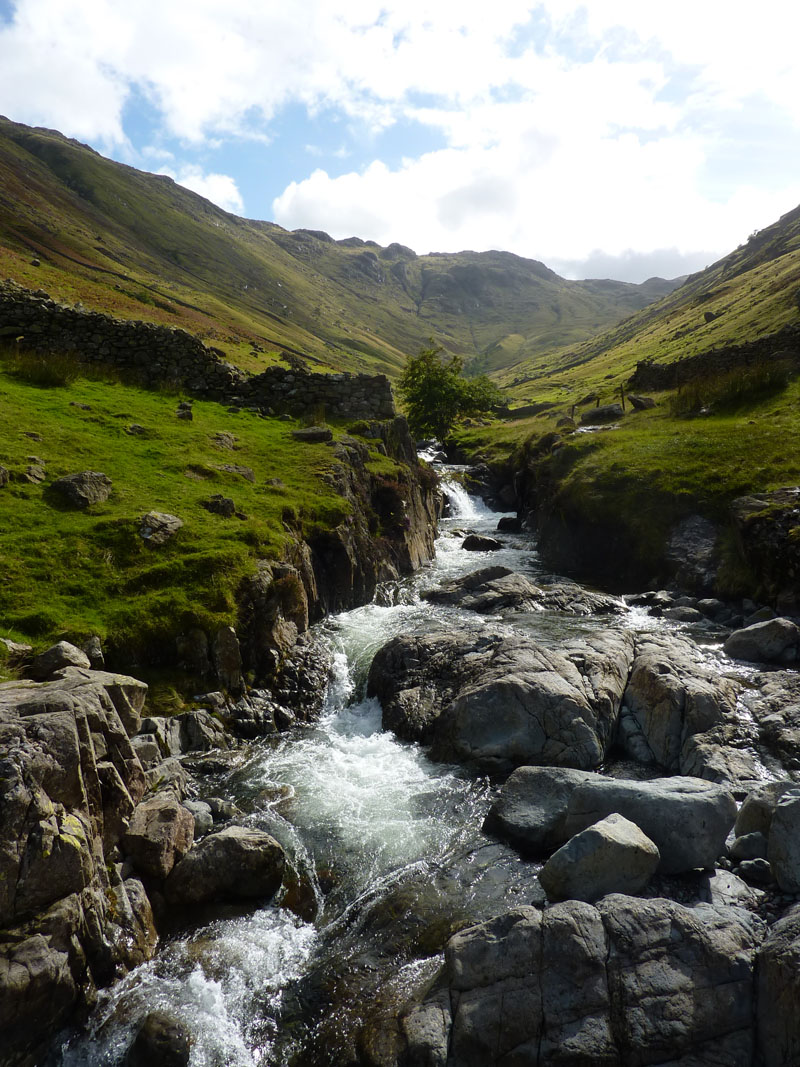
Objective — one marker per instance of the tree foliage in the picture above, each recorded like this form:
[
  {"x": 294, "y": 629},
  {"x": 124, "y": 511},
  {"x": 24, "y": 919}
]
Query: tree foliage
[{"x": 435, "y": 393}]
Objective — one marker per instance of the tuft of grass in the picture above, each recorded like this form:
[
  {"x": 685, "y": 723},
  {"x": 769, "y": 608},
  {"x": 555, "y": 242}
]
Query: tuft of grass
[{"x": 48, "y": 371}]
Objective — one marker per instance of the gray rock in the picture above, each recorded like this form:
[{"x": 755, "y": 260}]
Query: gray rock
[
  {"x": 4, "y": 477},
  {"x": 627, "y": 982},
  {"x": 159, "y": 835},
  {"x": 757, "y": 871},
  {"x": 158, "y": 527},
  {"x": 227, "y": 658},
  {"x": 611, "y": 856},
  {"x": 670, "y": 696},
  {"x": 219, "y": 505},
  {"x": 495, "y": 589},
  {"x": 94, "y": 650},
  {"x": 63, "y": 654},
  {"x": 725, "y": 889},
  {"x": 687, "y": 819},
  {"x": 313, "y": 434},
  {"x": 83, "y": 489},
  {"x": 168, "y": 777},
  {"x": 500, "y": 699},
  {"x": 693, "y": 554},
  {"x": 783, "y": 851},
  {"x": 201, "y": 813},
  {"x": 681, "y": 613},
  {"x": 481, "y": 543},
  {"x": 773, "y": 641},
  {"x": 758, "y": 807},
  {"x": 236, "y": 468},
  {"x": 778, "y": 993},
  {"x": 640, "y": 403},
  {"x": 233, "y": 864},
  {"x": 16, "y": 651}
]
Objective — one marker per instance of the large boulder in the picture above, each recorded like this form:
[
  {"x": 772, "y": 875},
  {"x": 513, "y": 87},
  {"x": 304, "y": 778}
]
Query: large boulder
[
  {"x": 236, "y": 863},
  {"x": 500, "y": 699},
  {"x": 773, "y": 641},
  {"x": 758, "y": 807},
  {"x": 83, "y": 489},
  {"x": 159, "y": 834},
  {"x": 161, "y": 1039},
  {"x": 611, "y": 856},
  {"x": 626, "y": 982},
  {"x": 158, "y": 527},
  {"x": 778, "y": 993},
  {"x": 687, "y": 819},
  {"x": 671, "y": 695},
  {"x": 56, "y": 658}
]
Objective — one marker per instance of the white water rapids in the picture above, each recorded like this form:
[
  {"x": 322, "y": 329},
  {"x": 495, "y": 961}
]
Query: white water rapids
[{"x": 385, "y": 845}]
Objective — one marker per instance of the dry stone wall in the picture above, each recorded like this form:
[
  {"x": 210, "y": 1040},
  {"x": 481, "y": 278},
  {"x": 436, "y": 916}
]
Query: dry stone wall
[{"x": 153, "y": 354}]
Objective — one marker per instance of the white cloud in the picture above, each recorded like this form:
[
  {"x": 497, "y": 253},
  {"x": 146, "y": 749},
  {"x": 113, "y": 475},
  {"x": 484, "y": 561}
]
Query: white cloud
[
  {"x": 568, "y": 127},
  {"x": 220, "y": 189}
]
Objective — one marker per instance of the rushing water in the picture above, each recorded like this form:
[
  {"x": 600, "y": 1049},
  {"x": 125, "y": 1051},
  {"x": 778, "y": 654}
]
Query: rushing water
[{"x": 385, "y": 849}]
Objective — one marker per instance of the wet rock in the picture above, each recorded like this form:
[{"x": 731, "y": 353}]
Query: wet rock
[
  {"x": 778, "y": 993},
  {"x": 687, "y": 819},
  {"x": 83, "y": 489},
  {"x": 773, "y": 641},
  {"x": 509, "y": 524},
  {"x": 774, "y": 702},
  {"x": 611, "y": 856},
  {"x": 670, "y": 696},
  {"x": 63, "y": 654},
  {"x": 158, "y": 527},
  {"x": 159, "y": 835},
  {"x": 481, "y": 543},
  {"x": 499, "y": 699},
  {"x": 161, "y": 1040},
  {"x": 494, "y": 589},
  {"x": 233, "y": 864}
]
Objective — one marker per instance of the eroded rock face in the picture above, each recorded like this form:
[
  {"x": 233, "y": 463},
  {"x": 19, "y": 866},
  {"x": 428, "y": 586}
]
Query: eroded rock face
[
  {"x": 626, "y": 982},
  {"x": 69, "y": 781},
  {"x": 500, "y": 699},
  {"x": 495, "y": 589},
  {"x": 540, "y": 808}
]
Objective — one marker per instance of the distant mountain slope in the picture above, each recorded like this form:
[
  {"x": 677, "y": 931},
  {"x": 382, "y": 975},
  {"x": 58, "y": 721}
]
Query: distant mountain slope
[
  {"x": 753, "y": 292},
  {"x": 141, "y": 246}
]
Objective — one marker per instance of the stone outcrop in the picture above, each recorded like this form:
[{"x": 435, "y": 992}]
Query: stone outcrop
[
  {"x": 500, "y": 699},
  {"x": 70, "y": 782},
  {"x": 494, "y": 589},
  {"x": 625, "y": 982},
  {"x": 540, "y": 808}
]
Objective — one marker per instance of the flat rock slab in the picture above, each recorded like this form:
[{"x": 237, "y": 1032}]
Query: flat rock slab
[
  {"x": 494, "y": 589},
  {"x": 540, "y": 808}
]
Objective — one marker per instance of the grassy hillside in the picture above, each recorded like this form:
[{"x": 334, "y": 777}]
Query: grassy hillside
[
  {"x": 752, "y": 292},
  {"x": 71, "y": 573},
  {"x": 137, "y": 244}
]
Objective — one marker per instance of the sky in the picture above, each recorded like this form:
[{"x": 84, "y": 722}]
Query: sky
[{"x": 616, "y": 138}]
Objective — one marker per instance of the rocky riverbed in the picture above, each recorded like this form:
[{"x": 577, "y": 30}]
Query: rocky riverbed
[{"x": 531, "y": 824}]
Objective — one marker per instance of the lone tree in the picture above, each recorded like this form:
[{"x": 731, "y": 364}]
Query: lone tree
[{"x": 435, "y": 392}]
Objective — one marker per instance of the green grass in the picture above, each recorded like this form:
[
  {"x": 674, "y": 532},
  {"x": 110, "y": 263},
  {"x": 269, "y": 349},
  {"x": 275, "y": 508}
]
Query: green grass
[{"x": 72, "y": 573}]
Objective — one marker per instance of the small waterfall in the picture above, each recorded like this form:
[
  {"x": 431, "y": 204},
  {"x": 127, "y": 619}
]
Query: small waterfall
[{"x": 462, "y": 505}]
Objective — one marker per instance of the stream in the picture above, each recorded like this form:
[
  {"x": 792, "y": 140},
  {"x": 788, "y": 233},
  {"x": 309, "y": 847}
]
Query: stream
[{"x": 386, "y": 850}]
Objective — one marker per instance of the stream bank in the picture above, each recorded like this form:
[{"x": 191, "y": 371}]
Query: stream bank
[{"x": 387, "y": 858}]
